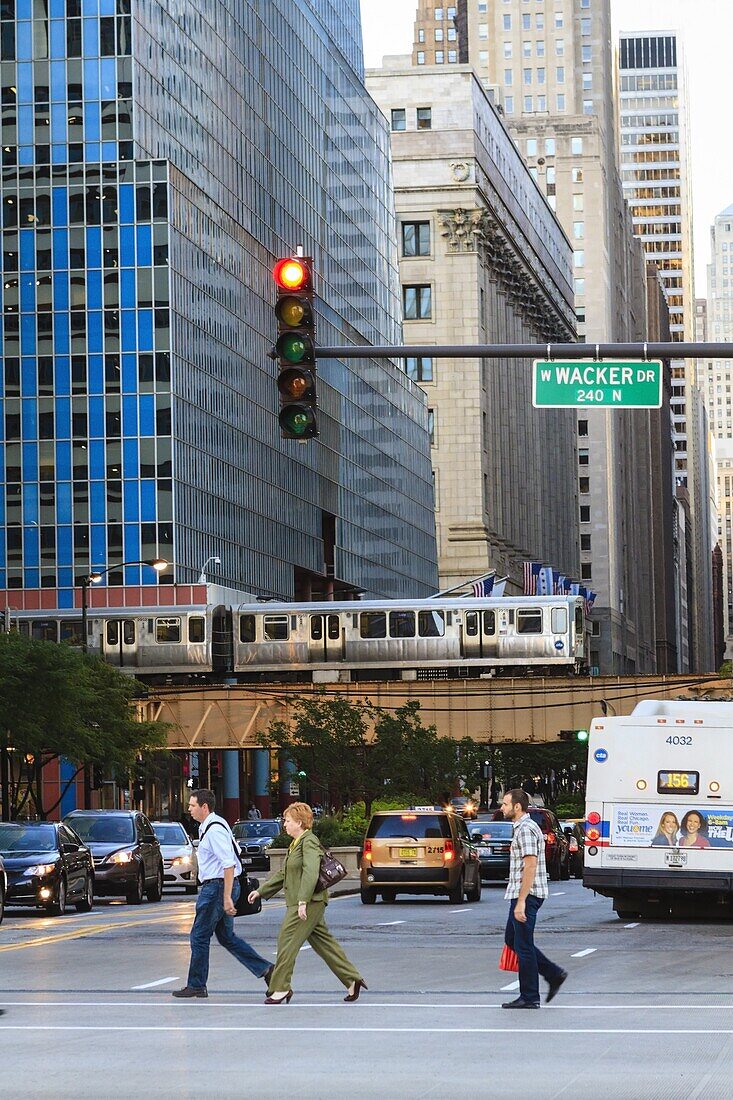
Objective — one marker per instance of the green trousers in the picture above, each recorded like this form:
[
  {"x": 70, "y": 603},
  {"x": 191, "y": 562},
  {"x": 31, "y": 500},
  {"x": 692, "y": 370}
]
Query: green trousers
[{"x": 293, "y": 934}]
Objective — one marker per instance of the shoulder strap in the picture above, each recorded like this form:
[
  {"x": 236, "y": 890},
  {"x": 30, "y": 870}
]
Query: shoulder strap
[{"x": 231, "y": 835}]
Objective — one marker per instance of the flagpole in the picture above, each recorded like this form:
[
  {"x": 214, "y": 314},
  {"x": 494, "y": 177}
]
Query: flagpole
[{"x": 456, "y": 587}]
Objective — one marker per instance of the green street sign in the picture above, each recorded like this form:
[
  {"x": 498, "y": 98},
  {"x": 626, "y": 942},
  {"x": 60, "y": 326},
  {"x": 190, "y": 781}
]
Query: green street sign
[{"x": 590, "y": 383}]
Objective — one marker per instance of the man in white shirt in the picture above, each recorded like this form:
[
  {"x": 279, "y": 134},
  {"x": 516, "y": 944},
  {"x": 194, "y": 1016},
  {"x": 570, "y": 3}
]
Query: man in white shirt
[{"x": 219, "y": 870}]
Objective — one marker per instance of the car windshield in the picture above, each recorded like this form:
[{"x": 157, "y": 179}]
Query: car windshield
[
  {"x": 171, "y": 834},
  {"x": 104, "y": 830},
  {"x": 410, "y": 825},
  {"x": 497, "y": 830},
  {"x": 27, "y": 838},
  {"x": 245, "y": 830}
]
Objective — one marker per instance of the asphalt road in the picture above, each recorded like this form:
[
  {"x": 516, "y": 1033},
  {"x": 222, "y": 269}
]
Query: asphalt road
[{"x": 647, "y": 1011}]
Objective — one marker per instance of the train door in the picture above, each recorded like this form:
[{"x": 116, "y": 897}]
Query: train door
[
  {"x": 472, "y": 643},
  {"x": 120, "y": 642},
  {"x": 325, "y": 641}
]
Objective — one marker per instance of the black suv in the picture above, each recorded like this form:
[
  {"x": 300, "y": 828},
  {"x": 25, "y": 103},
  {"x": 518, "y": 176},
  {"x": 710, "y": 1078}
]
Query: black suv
[
  {"x": 46, "y": 865},
  {"x": 126, "y": 852},
  {"x": 254, "y": 839}
]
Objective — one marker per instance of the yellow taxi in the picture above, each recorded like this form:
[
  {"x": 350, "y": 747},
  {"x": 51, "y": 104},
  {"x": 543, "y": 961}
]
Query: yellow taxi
[{"x": 421, "y": 850}]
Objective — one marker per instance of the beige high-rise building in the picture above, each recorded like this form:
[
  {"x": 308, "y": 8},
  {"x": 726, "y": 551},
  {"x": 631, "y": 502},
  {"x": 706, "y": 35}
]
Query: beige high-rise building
[
  {"x": 550, "y": 71},
  {"x": 482, "y": 260},
  {"x": 656, "y": 174}
]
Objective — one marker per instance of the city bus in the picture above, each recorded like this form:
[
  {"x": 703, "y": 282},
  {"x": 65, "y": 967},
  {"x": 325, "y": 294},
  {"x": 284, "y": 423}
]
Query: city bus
[{"x": 659, "y": 809}]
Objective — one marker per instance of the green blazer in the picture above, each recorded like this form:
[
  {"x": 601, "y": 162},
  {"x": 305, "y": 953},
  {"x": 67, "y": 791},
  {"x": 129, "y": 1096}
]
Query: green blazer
[{"x": 299, "y": 874}]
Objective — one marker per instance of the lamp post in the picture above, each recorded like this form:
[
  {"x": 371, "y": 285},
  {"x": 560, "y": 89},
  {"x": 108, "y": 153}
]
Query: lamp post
[
  {"x": 158, "y": 564},
  {"x": 202, "y": 575}
]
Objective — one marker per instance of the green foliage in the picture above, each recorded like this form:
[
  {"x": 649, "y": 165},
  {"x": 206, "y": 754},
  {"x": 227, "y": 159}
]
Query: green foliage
[
  {"x": 56, "y": 701},
  {"x": 570, "y": 807},
  {"x": 726, "y": 670}
]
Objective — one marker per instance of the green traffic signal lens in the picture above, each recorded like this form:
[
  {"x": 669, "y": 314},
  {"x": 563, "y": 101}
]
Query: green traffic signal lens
[
  {"x": 298, "y": 421},
  {"x": 293, "y": 347},
  {"x": 582, "y": 735}
]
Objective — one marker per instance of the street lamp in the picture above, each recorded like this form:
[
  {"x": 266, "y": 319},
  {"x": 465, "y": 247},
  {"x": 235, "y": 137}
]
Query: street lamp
[
  {"x": 202, "y": 576},
  {"x": 158, "y": 564}
]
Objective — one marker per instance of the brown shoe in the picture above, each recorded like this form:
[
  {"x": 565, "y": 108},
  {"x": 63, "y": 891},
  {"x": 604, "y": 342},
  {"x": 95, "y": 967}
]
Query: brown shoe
[
  {"x": 284, "y": 1000},
  {"x": 359, "y": 984},
  {"x": 187, "y": 992}
]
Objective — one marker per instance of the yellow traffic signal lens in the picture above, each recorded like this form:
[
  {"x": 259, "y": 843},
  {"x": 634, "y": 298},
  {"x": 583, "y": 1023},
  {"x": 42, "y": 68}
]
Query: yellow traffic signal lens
[
  {"x": 297, "y": 386},
  {"x": 291, "y": 274},
  {"x": 295, "y": 383},
  {"x": 291, "y": 311}
]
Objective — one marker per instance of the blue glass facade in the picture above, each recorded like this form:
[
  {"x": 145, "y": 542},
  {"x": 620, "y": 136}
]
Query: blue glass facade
[{"x": 154, "y": 164}]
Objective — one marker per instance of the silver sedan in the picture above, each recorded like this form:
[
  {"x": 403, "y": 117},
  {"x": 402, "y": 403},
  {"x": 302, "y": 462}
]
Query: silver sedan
[{"x": 180, "y": 865}]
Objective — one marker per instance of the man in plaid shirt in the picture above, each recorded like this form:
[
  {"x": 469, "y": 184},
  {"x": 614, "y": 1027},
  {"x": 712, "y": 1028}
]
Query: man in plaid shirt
[{"x": 526, "y": 891}]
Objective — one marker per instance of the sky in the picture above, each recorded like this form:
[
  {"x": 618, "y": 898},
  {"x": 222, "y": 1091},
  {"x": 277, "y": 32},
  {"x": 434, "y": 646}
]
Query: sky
[{"x": 706, "y": 28}]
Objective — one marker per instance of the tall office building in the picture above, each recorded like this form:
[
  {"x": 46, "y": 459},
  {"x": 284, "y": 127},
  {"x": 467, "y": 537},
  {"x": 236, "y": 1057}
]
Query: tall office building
[
  {"x": 156, "y": 160},
  {"x": 550, "y": 72},
  {"x": 715, "y": 379},
  {"x": 655, "y": 169},
  {"x": 482, "y": 260}
]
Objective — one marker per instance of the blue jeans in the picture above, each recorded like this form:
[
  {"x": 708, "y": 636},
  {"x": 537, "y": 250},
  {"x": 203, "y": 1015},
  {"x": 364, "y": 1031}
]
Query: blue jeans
[
  {"x": 519, "y": 935},
  {"x": 211, "y": 920}
]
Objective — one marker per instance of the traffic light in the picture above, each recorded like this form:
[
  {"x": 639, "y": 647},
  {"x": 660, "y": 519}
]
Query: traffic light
[
  {"x": 573, "y": 735},
  {"x": 486, "y": 769},
  {"x": 295, "y": 347}
]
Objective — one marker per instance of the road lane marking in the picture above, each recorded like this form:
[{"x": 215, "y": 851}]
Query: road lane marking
[
  {"x": 634, "y": 925},
  {"x": 506, "y": 988},
  {"x": 387, "y": 923},
  {"x": 160, "y": 981},
  {"x": 463, "y": 910},
  {"x": 211, "y": 1004},
  {"x": 559, "y": 894},
  {"x": 582, "y": 954},
  {"x": 306, "y": 947},
  {"x": 319, "y": 1030}
]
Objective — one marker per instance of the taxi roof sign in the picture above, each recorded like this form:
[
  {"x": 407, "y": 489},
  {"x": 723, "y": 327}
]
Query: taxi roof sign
[{"x": 593, "y": 383}]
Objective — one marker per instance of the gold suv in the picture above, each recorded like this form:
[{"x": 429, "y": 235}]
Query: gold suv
[{"x": 423, "y": 850}]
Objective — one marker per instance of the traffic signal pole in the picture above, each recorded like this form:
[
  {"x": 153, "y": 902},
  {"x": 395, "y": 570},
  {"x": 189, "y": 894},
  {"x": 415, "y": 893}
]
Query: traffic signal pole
[{"x": 669, "y": 350}]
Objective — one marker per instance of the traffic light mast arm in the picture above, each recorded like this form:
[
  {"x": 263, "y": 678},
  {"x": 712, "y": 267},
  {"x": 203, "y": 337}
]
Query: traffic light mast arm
[{"x": 670, "y": 350}]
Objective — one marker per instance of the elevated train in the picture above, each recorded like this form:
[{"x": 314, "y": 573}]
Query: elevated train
[{"x": 311, "y": 642}]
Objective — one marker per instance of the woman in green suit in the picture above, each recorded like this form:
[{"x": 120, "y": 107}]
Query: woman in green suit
[{"x": 305, "y": 908}]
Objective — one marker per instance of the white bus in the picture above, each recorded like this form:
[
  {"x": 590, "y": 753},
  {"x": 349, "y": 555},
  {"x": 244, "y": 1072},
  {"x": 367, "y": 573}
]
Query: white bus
[{"x": 659, "y": 808}]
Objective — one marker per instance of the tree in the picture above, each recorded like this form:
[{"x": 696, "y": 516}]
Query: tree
[{"x": 56, "y": 702}]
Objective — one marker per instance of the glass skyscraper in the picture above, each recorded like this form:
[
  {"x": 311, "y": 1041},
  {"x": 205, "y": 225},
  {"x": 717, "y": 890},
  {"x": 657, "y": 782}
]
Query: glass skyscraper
[{"x": 156, "y": 159}]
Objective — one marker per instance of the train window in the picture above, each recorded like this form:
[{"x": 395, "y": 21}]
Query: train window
[
  {"x": 373, "y": 624},
  {"x": 71, "y": 632},
  {"x": 334, "y": 628},
  {"x": 402, "y": 624},
  {"x": 471, "y": 623},
  {"x": 579, "y": 621},
  {"x": 276, "y": 628},
  {"x": 128, "y": 632},
  {"x": 247, "y": 628},
  {"x": 197, "y": 628},
  {"x": 489, "y": 622},
  {"x": 559, "y": 620},
  {"x": 316, "y": 628},
  {"x": 168, "y": 630},
  {"x": 113, "y": 632},
  {"x": 430, "y": 624},
  {"x": 45, "y": 630},
  {"x": 529, "y": 621}
]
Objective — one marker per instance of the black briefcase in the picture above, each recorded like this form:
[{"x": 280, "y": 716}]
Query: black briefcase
[{"x": 246, "y": 886}]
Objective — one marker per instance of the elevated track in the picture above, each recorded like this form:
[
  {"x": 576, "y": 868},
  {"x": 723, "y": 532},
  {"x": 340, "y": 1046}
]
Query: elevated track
[{"x": 492, "y": 711}]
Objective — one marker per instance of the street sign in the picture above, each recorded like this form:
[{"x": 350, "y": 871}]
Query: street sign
[
  {"x": 294, "y": 789},
  {"x": 590, "y": 383}
]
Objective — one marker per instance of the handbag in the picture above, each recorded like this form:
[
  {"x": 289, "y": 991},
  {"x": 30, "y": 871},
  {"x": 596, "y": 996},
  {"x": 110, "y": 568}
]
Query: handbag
[
  {"x": 509, "y": 960},
  {"x": 332, "y": 871}
]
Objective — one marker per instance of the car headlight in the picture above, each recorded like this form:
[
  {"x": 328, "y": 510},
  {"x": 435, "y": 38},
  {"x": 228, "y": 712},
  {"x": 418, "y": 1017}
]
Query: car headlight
[
  {"x": 40, "y": 869},
  {"x": 267, "y": 843},
  {"x": 181, "y": 861},
  {"x": 120, "y": 857}
]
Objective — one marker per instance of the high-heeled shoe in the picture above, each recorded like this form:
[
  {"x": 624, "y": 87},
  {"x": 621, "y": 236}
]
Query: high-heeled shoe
[
  {"x": 359, "y": 984},
  {"x": 279, "y": 1000}
]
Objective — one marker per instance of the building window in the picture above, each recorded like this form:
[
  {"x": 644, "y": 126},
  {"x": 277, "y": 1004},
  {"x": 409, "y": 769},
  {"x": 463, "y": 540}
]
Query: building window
[
  {"x": 507, "y": 45},
  {"x": 584, "y": 484},
  {"x": 587, "y": 82},
  {"x": 420, "y": 57},
  {"x": 579, "y": 258},
  {"x": 585, "y": 26},
  {"x": 560, "y": 74},
  {"x": 578, "y": 203},
  {"x": 585, "y": 513},
  {"x": 560, "y": 47},
  {"x": 583, "y": 456},
  {"x": 438, "y": 61},
  {"x": 586, "y": 571},
  {"x": 580, "y": 286},
  {"x": 452, "y": 34},
  {"x": 578, "y": 230},
  {"x": 452, "y": 57},
  {"x": 421, "y": 35},
  {"x": 417, "y": 302},
  {"x": 585, "y": 543},
  {"x": 431, "y": 426},
  {"x": 540, "y": 76},
  {"x": 587, "y": 106},
  {"x": 587, "y": 54},
  {"x": 576, "y": 145},
  {"x": 528, "y": 106},
  {"x": 531, "y": 147},
  {"x": 419, "y": 368},
  {"x": 541, "y": 102},
  {"x": 399, "y": 118},
  {"x": 438, "y": 14},
  {"x": 438, "y": 34},
  {"x": 527, "y": 76},
  {"x": 526, "y": 22},
  {"x": 424, "y": 118},
  {"x": 561, "y": 102},
  {"x": 558, "y": 21},
  {"x": 509, "y": 104},
  {"x": 508, "y": 78},
  {"x": 526, "y": 49},
  {"x": 483, "y": 31},
  {"x": 577, "y": 175},
  {"x": 549, "y": 147},
  {"x": 507, "y": 22},
  {"x": 416, "y": 238},
  {"x": 582, "y": 427}
]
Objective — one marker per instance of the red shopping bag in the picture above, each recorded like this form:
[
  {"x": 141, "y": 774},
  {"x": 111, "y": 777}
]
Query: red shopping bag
[{"x": 509, "y": 960}]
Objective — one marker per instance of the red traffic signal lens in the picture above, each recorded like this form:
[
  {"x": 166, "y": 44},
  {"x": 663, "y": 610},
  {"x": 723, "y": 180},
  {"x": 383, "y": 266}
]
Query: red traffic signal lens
[
  {"x": 295, "y": 384},
  {"x": 293, "y": 312},
  {"x": 298, "y": 421},
  {"x": 294, "y": 347},
  {"x": 291, "y": 274}
]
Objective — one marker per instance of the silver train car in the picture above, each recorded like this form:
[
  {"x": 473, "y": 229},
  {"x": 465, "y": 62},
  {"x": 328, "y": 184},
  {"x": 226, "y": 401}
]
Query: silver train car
[{"x": 312, "y": 642}]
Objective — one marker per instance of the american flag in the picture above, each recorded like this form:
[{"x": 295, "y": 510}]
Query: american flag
[
  {"x": 484, "y": 587},
  {"x": 531, "y": 573}
]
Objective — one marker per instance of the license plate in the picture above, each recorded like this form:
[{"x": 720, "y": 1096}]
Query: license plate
[
  {"x": 675, "y": 858},
  {"x": 408, "y": 853},
  {"x": 246, "y": 860}
]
